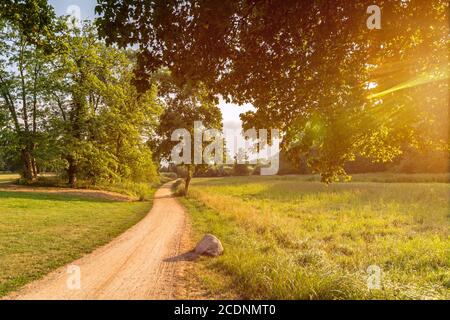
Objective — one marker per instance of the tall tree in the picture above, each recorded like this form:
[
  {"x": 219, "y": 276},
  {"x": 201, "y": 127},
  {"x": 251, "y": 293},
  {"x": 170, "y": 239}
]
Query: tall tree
[
  {"x": 100, "y": 121},
  {"x": 25, "y": 37},
  {"x": 183, "y": 106}
]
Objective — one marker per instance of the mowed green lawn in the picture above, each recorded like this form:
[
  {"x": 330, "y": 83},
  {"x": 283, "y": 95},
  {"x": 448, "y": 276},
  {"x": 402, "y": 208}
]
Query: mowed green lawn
[
  {"x": 293, "y": 238},
  {"x": 40, "y": 232}
]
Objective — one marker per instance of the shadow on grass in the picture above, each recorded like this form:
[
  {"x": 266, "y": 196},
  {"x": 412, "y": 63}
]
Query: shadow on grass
[{"x": 36, "y": 195}]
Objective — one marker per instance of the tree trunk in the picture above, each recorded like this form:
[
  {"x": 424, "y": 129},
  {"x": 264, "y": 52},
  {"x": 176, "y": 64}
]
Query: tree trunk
[
  {"x": 72, "y": 172},
  {"x": 34, "y": 167},
  {"x": 27, "y": 160},
  {"x": 187, "y": 180}
]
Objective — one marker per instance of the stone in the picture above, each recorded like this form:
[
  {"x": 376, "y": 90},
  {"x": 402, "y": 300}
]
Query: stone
[{"x": 210, "y": 246}]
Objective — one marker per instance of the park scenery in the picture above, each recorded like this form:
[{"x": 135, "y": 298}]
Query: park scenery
[{"x": 248, "y": 149}]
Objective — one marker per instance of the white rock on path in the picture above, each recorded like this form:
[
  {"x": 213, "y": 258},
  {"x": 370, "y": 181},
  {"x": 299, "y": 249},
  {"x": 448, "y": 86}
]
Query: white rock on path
[{"x": 210, "y": 246}]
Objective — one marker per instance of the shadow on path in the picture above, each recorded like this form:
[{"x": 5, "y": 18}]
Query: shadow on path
[{"x": 187, "y": 256}]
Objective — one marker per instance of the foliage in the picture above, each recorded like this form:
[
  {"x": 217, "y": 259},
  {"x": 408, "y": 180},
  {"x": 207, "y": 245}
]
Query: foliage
[
  {"x": 100, "y": 119},
  {"x": 182, "y": 107},
  {"x": 26, "y": 29},
  {"x": 68, "y": 103},
  {"x": 312, "y": 69},
  {"x": 241, "y": 169}
]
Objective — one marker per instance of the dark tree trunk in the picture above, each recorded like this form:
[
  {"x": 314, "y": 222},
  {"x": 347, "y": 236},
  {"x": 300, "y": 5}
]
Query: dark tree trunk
[
  {"x": 72, "y": 172},
  {"x": 27, "y": 160},
  {"x": 187, "y": 180}
]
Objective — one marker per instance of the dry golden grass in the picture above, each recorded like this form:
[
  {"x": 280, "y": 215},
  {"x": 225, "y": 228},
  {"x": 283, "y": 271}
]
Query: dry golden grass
[{"x": 8, "y": 177}]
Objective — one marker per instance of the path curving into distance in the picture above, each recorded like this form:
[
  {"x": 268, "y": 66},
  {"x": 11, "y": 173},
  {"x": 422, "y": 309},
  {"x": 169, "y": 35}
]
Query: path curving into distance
[{"x": 139, "y": 264}]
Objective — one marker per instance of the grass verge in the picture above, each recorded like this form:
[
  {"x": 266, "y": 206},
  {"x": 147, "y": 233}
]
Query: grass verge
[
  {"x": 289, "y": 238},
  {"x": 40, "y": 232},
  {"x": 8, "y": 177}
]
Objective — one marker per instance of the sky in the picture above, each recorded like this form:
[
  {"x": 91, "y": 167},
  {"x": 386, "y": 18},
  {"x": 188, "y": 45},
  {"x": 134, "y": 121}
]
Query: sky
[{"x": 86, "y": 10}]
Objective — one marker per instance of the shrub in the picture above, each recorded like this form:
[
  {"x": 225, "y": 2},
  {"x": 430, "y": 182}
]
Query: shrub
[
  {"x": 179, "y": 188},
  {"x": 140, "y": 190},
  {"x": 241, "y": 170}
]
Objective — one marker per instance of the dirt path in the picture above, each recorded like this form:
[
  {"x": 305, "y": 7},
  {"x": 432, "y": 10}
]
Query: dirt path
[{"x": 142, "y": 263}]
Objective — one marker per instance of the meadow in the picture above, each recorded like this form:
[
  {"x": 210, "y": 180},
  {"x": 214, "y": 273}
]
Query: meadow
[
  {"x": 293, "y": 237},
  {"x": 8, "y": 177},
  {"x": 42, "y": 231}
]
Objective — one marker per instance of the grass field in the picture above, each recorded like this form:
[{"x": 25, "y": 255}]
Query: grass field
[
  {"x": 137, "y": 190},
  {"x": 40, "y": 232},
  {"x": 294, "y": 238}
]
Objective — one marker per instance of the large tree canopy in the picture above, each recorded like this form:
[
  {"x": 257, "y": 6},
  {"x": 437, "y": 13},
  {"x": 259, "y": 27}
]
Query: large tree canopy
[
  {"x": 183, "y": 106},
  {"x": 313, "y": 69},
  {"x": 99, "y": 120}
]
